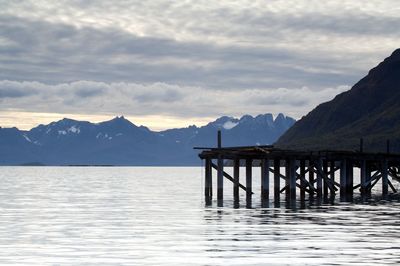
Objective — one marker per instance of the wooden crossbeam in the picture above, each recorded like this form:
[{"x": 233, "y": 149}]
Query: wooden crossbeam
[
  {"x": 230, "y": 178},
  {"x": 329, "y": 182}
]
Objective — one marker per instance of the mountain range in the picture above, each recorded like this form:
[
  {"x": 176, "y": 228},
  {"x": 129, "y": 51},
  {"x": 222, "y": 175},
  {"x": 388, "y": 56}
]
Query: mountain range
[
  {"x": 120, "y": 142},
  {"x": 369, "y": 110}
]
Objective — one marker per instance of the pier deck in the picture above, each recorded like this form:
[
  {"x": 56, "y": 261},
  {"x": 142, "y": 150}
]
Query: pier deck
[{"x": 306, "y": 172}]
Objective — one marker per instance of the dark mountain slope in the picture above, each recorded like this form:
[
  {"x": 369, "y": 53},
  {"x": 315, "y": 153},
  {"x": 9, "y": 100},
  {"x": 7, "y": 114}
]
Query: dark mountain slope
[{"x": 371, "y": 109}]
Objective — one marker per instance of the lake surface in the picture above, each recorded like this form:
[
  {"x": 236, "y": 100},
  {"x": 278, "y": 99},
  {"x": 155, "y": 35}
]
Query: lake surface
[{"x": 157, "y": 216}]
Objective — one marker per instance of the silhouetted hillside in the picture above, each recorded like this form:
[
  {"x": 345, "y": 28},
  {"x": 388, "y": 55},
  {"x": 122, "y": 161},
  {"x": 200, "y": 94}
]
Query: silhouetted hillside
[{"x": 371, "y": 109}]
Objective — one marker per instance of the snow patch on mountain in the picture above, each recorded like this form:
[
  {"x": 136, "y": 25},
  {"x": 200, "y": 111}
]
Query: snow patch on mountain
[{"x": 229, "y": 125}]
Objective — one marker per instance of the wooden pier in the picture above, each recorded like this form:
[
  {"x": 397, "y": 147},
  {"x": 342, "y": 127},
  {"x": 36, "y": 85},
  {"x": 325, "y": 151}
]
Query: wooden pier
[{"x": 306, "y": 173}]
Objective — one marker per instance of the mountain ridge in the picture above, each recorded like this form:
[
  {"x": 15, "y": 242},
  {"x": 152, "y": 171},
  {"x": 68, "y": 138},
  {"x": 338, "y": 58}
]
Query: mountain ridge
[
  {"x": 369, "y": 110},
  {"x": 120, "y": 142}
]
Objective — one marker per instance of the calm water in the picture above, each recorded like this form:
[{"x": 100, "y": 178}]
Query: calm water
[{"x": 156, "y": 216}]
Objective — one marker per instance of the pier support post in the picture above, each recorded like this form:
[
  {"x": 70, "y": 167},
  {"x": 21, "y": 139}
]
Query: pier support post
[
  {"x": 249, "y": 164},
  {"x": 319, "y": 180},
  {"x": 311, "y": 177},
  {"x": 277, "y": 182},
  {"x": 325, "y": 181},
  {"x": 264, "y": 180},
  {"x": 236, "y": 169},
  {"x": 287, "y": 180},
  {"x": 350, "y": 176},
  {"x": 292, "y": 180},
  {"x": 302, "y": 179},
  {"x": 368, "y": 177},
  {"x": 208, "y": 182},
  {"x": 220, "y": 172},
  {"x": 343, "y": 180},
  {"x": 385, "y": 183},
  {"x": 220, "y": 178},
  {"x": 332, "y": 177},
  {"x": 363, "y": 178}
]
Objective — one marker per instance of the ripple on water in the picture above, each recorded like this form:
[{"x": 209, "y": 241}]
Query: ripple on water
[{"x": 156, "y": 216}]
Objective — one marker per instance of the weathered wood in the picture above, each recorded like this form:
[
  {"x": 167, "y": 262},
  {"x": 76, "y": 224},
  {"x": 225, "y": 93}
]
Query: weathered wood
[
  {"x": 311, "y": 179},
  {"x": 236, "y": 170},
  {"x": 343, "y": 180},
  {"x": 230, "y": 178},
  {"x": 249, "y": 164},
  {"x": 277, "y": 180},
  {"x": 319, "y": 178},
  {"x": 208, "y": 181},
  {"x": 350, "y": 176},
  {"x": 332, "y": 171},
  {"x": 385, "y": 183},
  {"x": 363, "y": 177},
  {"x": 220, "y": 178},
  {"x": 373, "y": 168},
  {"x": 325, "y": 181},
  {"x": 292, "y": 179},
  {"x": 287, "y": 180},
  {"x": 265, "y": 179},
  {"x": 303, "y": 180}
]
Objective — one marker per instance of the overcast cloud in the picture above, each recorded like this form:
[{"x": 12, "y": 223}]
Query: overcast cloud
[{"x": 188, "y": 59}]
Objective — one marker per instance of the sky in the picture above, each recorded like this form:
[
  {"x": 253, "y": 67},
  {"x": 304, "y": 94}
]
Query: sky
[{"x": 168, "y": 64}]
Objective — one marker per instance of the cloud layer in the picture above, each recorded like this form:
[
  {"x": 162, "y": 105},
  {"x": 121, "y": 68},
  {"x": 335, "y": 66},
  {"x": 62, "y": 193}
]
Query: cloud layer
[{"x": 188, "y": 58}]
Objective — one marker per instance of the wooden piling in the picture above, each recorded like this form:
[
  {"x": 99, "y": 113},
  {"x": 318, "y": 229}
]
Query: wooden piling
[
  {"x": 319, "y": 179},
  {"x": 363, "y": 178},
  {"x": 292, "y": 179},
  {"x": 208, "y": 181},
  {"x": 220, "y": 171},
  {"x": 325, "y": 181},
  {"x": 350, "y": 176},
  {"x": 302, "y": 180},
  {"x": 287, "y": 180},
  {"x": 311, "y": 179},
  {"x": 236, "y": 170},
  {"x": 332, "y": 176},
  {"x": 264, "y": 179},
  {"x": 343, "y": 180},
  {"x": 385, "y": 183},
  {"x": 277, "y": 180},
  {"x": 249, "y": 165}
]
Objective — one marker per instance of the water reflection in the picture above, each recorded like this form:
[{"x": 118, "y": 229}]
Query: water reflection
[{"x": 134, "y": 216}]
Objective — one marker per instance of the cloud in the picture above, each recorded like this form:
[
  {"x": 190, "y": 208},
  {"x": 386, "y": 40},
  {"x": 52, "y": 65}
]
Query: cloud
[
  {"x": 160, "y": 99},
  {"x": 188, "y": 58},
  {"x": 13, "y": 89}
]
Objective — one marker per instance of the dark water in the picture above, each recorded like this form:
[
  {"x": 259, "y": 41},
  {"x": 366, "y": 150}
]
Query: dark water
[{"x": 156, "y": 216}]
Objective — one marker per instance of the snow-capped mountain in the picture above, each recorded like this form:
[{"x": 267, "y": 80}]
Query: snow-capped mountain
[{"x": 120, "y": 142}]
